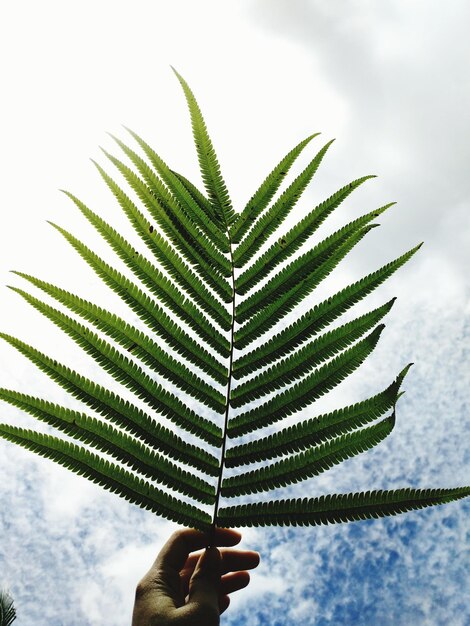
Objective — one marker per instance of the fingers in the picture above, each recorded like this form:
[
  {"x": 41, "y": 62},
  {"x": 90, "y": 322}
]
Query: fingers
[
  {"x": 204, "y": 586},
  {"x": 234, "y": 582},
  {"x": 194, "y": 587},
  {"x": 229, "y": 586},
  {"x": 232, "y": 560},
  {"x": 237, "y": 579},
  {"x": 175, "y": 552},
  {"x": 210, "y": 592}
]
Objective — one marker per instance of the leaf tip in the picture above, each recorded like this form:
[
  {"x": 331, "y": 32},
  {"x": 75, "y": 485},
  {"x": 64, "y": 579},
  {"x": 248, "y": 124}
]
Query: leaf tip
[
  {"x": 399, "y": 379},
  {"x": 130, "y": 131},
  {"x": 377, "y": 331},
  {"x": 112, "y": 137},
  {"x": 104, "y": 151},
  {"x": 54, "y": 225},
  {"x": 177, "y": 74}
]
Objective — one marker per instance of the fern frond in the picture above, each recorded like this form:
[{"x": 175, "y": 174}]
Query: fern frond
[
  {"x": 309, "y": 463},
  {"x": 316, "y": 319},
  {"x": 193, "y": 208},
  {"x": 7, "y": 609},
  {"x": 300, "y": 269},
  {"x": 318, "y": 429},
  {"x": 337, "y": 508},
  {"x": 210, "y": 169},
  {"x": 104, "y": 401},
  {"x": 260, "y": 200},
  {"x": 123, "y": 369},
  {"x": 307, "y": 390},
  {"x": 289, "y": 243},
  {"x": 304, "y": 360},
  {"x": 114, "y": 442},
  {"x": 149, "y": 311},
  {"x": 133, "y": 340},
  {"x": 268, "y": 223},
  {"x": 109, "y": 475},
  {"x": 323, "y": 262},
  {"x": 197, "y": 310}
]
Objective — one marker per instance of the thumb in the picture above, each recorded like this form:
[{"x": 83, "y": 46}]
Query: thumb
[{"x": 205, "y": 584}]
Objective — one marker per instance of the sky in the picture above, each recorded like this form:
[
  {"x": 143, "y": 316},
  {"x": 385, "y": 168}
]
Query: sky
[{"x": 388, "y": 81}]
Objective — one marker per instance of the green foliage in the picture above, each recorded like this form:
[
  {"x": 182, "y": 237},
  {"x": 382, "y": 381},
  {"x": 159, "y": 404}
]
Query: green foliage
[
  {"x": 209, "y": 285},
  {"x": 7, "y": 609}
]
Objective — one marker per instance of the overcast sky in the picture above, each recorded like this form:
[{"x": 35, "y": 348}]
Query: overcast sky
[{"x": 389, "y": 81}]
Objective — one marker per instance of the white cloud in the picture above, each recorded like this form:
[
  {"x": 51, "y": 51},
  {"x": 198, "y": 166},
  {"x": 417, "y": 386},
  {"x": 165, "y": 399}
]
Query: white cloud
[{"x": 399, "y": 68}]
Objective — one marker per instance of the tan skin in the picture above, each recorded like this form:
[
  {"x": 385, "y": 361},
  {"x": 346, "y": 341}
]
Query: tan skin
[{"x": 187, "y": 589}]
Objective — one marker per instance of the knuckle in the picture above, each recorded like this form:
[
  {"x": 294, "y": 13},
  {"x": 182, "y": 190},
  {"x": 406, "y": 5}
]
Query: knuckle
[
  {"x": 178, "y": 534},
  {"x": 141, "y": 589},
  {"x": 149, "y": 583}
]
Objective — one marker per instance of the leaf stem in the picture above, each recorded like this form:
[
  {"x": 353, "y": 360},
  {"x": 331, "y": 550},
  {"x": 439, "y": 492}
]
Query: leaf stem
[{"x": 211, "y": 541}]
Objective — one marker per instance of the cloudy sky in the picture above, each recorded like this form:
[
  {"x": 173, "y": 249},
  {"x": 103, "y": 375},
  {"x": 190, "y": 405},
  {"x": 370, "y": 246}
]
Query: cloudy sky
[{"x": 389, "y": 81}]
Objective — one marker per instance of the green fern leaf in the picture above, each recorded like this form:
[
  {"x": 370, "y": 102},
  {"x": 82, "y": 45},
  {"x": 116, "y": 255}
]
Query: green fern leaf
[
  {"x": 108, "y": 475},
  {"x": 263, "y": 196},
  {"x": 122, "y": 367},
  {"x": 316, "y": 430},
  {"x": 212, "y": 289},
  {"x": 192, "y": 207},
  {"x": 310, "y": 355},
  {"x": 267, "y": 224},
  {"x": 210, "y": 169},
  {"x": 289, "y": 243},
  {"x": 316, "y": 319},
  {"x": 336, "y": 508},
  {"x": 310, "y": 463},
  {"x": 307, "y": 390},
  {"x": 7, "y": 609}
]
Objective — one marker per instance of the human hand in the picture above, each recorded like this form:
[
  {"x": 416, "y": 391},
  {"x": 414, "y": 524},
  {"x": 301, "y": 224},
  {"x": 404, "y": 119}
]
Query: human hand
[{"x": 184, "y": 589}]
